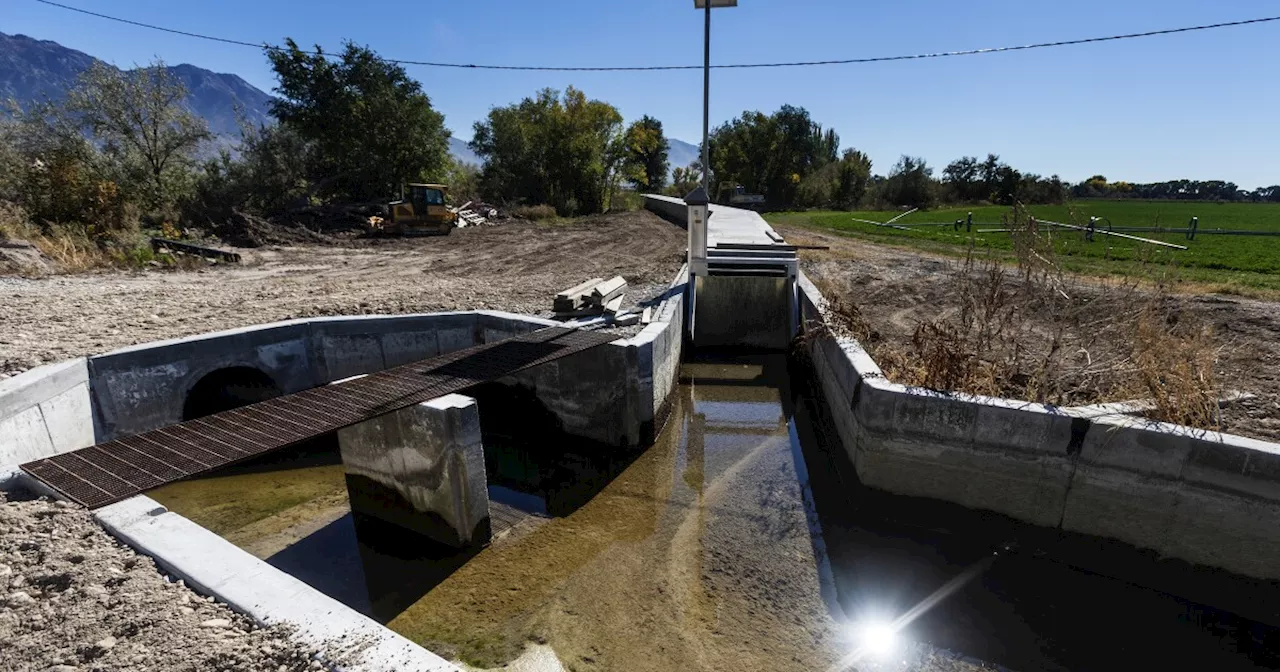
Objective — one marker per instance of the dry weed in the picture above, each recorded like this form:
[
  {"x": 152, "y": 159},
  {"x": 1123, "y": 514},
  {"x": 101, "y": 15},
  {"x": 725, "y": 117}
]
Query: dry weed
[{"x": 1043, "y": 335}]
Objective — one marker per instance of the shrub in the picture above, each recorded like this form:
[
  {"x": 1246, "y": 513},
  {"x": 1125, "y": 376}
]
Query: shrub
[{"x": 534, "y": 212}]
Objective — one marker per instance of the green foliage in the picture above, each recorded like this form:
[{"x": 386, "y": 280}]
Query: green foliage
[
  {"x": 464, "y": 182},
  {"x": 910, "y": 183},
  {"x": 684, "y": 180},
  {"x": 270, "y": 176},
  {"x": 565, "y": 152},
  {"x": 646, "y": 162},
  {"x": 147, "y": 135},
  {"x": 772, "y": 154},
  {"x": 368, "y": 124}
]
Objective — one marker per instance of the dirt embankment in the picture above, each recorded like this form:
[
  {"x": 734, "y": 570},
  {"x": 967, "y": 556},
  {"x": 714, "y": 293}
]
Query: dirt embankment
[
  {"x": 898, "y": 290},
  {"x": 72, "y": 598},
  {"x": 516, "y": 267}
]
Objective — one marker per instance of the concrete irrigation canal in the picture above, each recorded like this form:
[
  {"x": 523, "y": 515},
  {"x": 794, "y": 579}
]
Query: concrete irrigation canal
[{"x": 734, "y": 487}]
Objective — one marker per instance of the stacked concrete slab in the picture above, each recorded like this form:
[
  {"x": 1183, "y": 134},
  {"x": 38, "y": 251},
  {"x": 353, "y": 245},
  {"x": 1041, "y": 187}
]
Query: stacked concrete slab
[{"x": 1204, "y": 497}]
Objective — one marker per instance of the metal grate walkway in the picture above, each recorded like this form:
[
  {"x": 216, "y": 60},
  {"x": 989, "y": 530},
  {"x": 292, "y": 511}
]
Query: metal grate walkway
[{"x": 119, "y": 469}]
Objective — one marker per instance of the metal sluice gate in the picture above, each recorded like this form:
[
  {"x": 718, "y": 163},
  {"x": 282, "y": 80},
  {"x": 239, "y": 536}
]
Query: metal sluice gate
[{"x": 115, "y": 470}]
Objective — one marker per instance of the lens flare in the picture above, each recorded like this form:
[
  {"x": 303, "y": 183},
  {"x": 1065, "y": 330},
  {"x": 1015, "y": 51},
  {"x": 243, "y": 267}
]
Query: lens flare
[{"x": 877, "y": 639}]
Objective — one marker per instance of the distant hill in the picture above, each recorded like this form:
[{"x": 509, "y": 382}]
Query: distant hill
[
  {"x": 32, "y": 70},
  {"x": 680, "y": 153},
  {"x": 461, "y": 152}
]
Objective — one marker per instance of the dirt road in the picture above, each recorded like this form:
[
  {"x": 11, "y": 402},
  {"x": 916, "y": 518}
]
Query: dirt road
[
  {"x": 897, "y": 289},
  {"x": 516, "y": 267}
]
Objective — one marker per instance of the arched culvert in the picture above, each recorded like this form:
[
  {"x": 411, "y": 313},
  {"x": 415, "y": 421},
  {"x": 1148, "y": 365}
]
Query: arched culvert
[{"x": 228, "y": 388}]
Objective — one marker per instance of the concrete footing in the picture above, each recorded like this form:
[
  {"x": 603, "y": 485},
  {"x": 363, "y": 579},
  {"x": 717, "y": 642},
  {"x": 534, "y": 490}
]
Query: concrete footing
[{"x": 421, "y": 468}]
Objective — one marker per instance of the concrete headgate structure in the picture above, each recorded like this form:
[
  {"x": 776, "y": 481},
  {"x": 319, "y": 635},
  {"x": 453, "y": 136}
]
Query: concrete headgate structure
[{"x": 742, "y": 275}]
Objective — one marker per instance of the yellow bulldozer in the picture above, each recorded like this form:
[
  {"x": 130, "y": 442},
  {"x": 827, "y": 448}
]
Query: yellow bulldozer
[{"x": 421, "y": 211}]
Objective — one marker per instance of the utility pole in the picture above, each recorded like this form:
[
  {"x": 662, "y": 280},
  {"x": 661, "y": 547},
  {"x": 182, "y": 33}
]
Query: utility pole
[{"x": 706, "y": 101}]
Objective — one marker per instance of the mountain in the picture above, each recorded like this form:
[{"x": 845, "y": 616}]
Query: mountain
[
  {"x": 461, "y": 152},
  {"x": 680, "y": 153},
  {"x": 32, "y": 70}
]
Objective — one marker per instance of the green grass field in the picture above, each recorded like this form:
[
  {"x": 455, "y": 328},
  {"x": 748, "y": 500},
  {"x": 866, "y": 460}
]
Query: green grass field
[{"x": 1240, "y": 264}]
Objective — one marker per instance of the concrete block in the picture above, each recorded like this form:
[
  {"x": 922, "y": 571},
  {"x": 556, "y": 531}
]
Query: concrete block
[
  {"x": 29, "y": 388},
  {"x": 24, "y": 437},
  {"x": 421, "y": 468},
  {"x": 69, "y": 418},
  {"x": 496, "y": 326},
  {"x": 592, "y": 394},
  {"x": 875, "y": 407},
  {"x": 1130, "y": 506},
  {"x": 45, "y": 411},
  {"x": 214, "y": 566},
  {"x": 1002, "y": 426}
]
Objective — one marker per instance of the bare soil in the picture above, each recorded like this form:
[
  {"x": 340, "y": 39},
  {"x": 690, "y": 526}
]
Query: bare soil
[
  {"x": 516, "y": 267},
  {"x": 897, "y": 289},
  {"x": 72, "y": 598}
]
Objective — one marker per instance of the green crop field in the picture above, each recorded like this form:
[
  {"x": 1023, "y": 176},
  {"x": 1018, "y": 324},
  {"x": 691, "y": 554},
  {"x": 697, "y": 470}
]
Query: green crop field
[{"x": 1241, "y": 264}]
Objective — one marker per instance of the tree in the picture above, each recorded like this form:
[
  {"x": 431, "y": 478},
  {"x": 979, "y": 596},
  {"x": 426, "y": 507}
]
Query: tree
[
  {"x": 142, "y": 124},
  {"x": 772, "y": 154},
  {"x": 371, "y": 125},
  {"x": 910, "y": 183},
  {"x": 854, "y": 177},
  {"x": 645, "y": 157},
  {"x": 962, "y": 175},
  {"x": 565, "y": 152}
]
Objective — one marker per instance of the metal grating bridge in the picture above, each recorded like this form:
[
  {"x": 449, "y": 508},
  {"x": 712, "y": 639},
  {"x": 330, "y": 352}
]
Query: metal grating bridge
[{"x": 119, "y": 469}]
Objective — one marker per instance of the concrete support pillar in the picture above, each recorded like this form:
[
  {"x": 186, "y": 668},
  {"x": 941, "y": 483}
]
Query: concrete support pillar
[{"x": 421, "y": 468}]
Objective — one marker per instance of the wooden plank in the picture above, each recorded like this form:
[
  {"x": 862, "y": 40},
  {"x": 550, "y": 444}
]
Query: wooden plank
[{"x": 198, "y": 250}]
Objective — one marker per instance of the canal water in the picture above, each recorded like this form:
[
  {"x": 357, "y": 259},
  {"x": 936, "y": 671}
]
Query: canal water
[{"x": 740, "y": 540}]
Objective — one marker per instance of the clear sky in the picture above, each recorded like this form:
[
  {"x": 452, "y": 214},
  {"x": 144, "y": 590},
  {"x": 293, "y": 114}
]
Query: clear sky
[{"x": 1200, "y": 105}]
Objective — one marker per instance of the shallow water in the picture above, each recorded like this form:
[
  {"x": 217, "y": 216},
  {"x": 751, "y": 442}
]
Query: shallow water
[{"x": 742, "y": 540}]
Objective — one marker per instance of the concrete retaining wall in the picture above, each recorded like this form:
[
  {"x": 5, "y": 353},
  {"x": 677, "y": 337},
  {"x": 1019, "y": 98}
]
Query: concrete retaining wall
[
  {"x": 45, "y": 411},
  {"x": 1204, "y": 497}
]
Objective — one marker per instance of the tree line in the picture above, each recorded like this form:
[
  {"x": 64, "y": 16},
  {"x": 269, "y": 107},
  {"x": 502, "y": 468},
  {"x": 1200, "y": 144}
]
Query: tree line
[{"x": 123, "y": 151}]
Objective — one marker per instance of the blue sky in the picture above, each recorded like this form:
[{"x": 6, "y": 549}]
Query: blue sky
[{"x": 1200, "y": 105}]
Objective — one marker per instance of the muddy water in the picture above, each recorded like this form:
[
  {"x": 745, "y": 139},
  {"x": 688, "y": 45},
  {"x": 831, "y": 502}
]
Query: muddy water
[{"x": 740, "y": 540}]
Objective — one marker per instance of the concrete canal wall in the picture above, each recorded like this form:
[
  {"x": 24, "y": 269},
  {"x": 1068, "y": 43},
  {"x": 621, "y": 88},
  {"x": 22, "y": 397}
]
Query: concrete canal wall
[{"x": 1204, "y": 497}]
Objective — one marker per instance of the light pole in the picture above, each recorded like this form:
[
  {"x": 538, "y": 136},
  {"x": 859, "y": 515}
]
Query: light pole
[{"x": 707, "y": 6}]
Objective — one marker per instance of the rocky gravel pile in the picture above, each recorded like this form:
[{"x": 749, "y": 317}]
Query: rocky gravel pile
[{"x": 72, "y": 598}]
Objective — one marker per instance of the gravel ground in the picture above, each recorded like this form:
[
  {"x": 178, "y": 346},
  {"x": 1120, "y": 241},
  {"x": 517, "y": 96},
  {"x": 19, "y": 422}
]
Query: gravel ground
[
  {"x": 73, "y": 598},
  {"x": 514, "y": 267}
]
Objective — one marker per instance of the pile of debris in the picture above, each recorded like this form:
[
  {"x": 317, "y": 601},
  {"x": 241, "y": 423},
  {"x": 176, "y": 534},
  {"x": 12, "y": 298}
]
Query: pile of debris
[
  {"x": 595, "y": 297},
  {"x": 475, "y": 213}
]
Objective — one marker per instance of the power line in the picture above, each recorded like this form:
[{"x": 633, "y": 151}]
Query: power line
[{"x": 638, "y": 68}]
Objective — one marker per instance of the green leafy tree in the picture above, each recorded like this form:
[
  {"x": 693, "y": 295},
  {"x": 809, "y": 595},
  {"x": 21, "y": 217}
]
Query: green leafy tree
[
  {"x": 910, "y": 183},
  {"x": 646, "y": 155},
  {"x": 371, "y": 126},
  {"x": 853, "y": 179},
  {"x": 147, "y": 134},
  {"x": 773, "y": 154},
  {"x": 562, "y": 151}
]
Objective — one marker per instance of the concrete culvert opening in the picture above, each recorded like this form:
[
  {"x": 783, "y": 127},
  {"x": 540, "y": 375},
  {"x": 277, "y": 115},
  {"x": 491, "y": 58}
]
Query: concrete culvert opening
[{"x": 228, "y": 388}]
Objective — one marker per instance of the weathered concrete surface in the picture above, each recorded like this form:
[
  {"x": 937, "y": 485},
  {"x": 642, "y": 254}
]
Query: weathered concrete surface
[
  {"x": 144, "y": 387},
  {"x": 421, "y": 468},
  {"x": 1204, "y": 497},
  {"x": 45, "y": 411},
  {"x": 742, "y": 311},
  {"x": 215, "y": 566},
  {"x": 725, "y": 225}
]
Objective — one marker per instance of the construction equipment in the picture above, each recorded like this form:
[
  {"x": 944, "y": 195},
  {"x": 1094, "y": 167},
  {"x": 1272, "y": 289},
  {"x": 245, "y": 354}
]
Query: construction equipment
[
  {"x": 421, "y": 211},
  {"x": 736, "y": 195}
]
